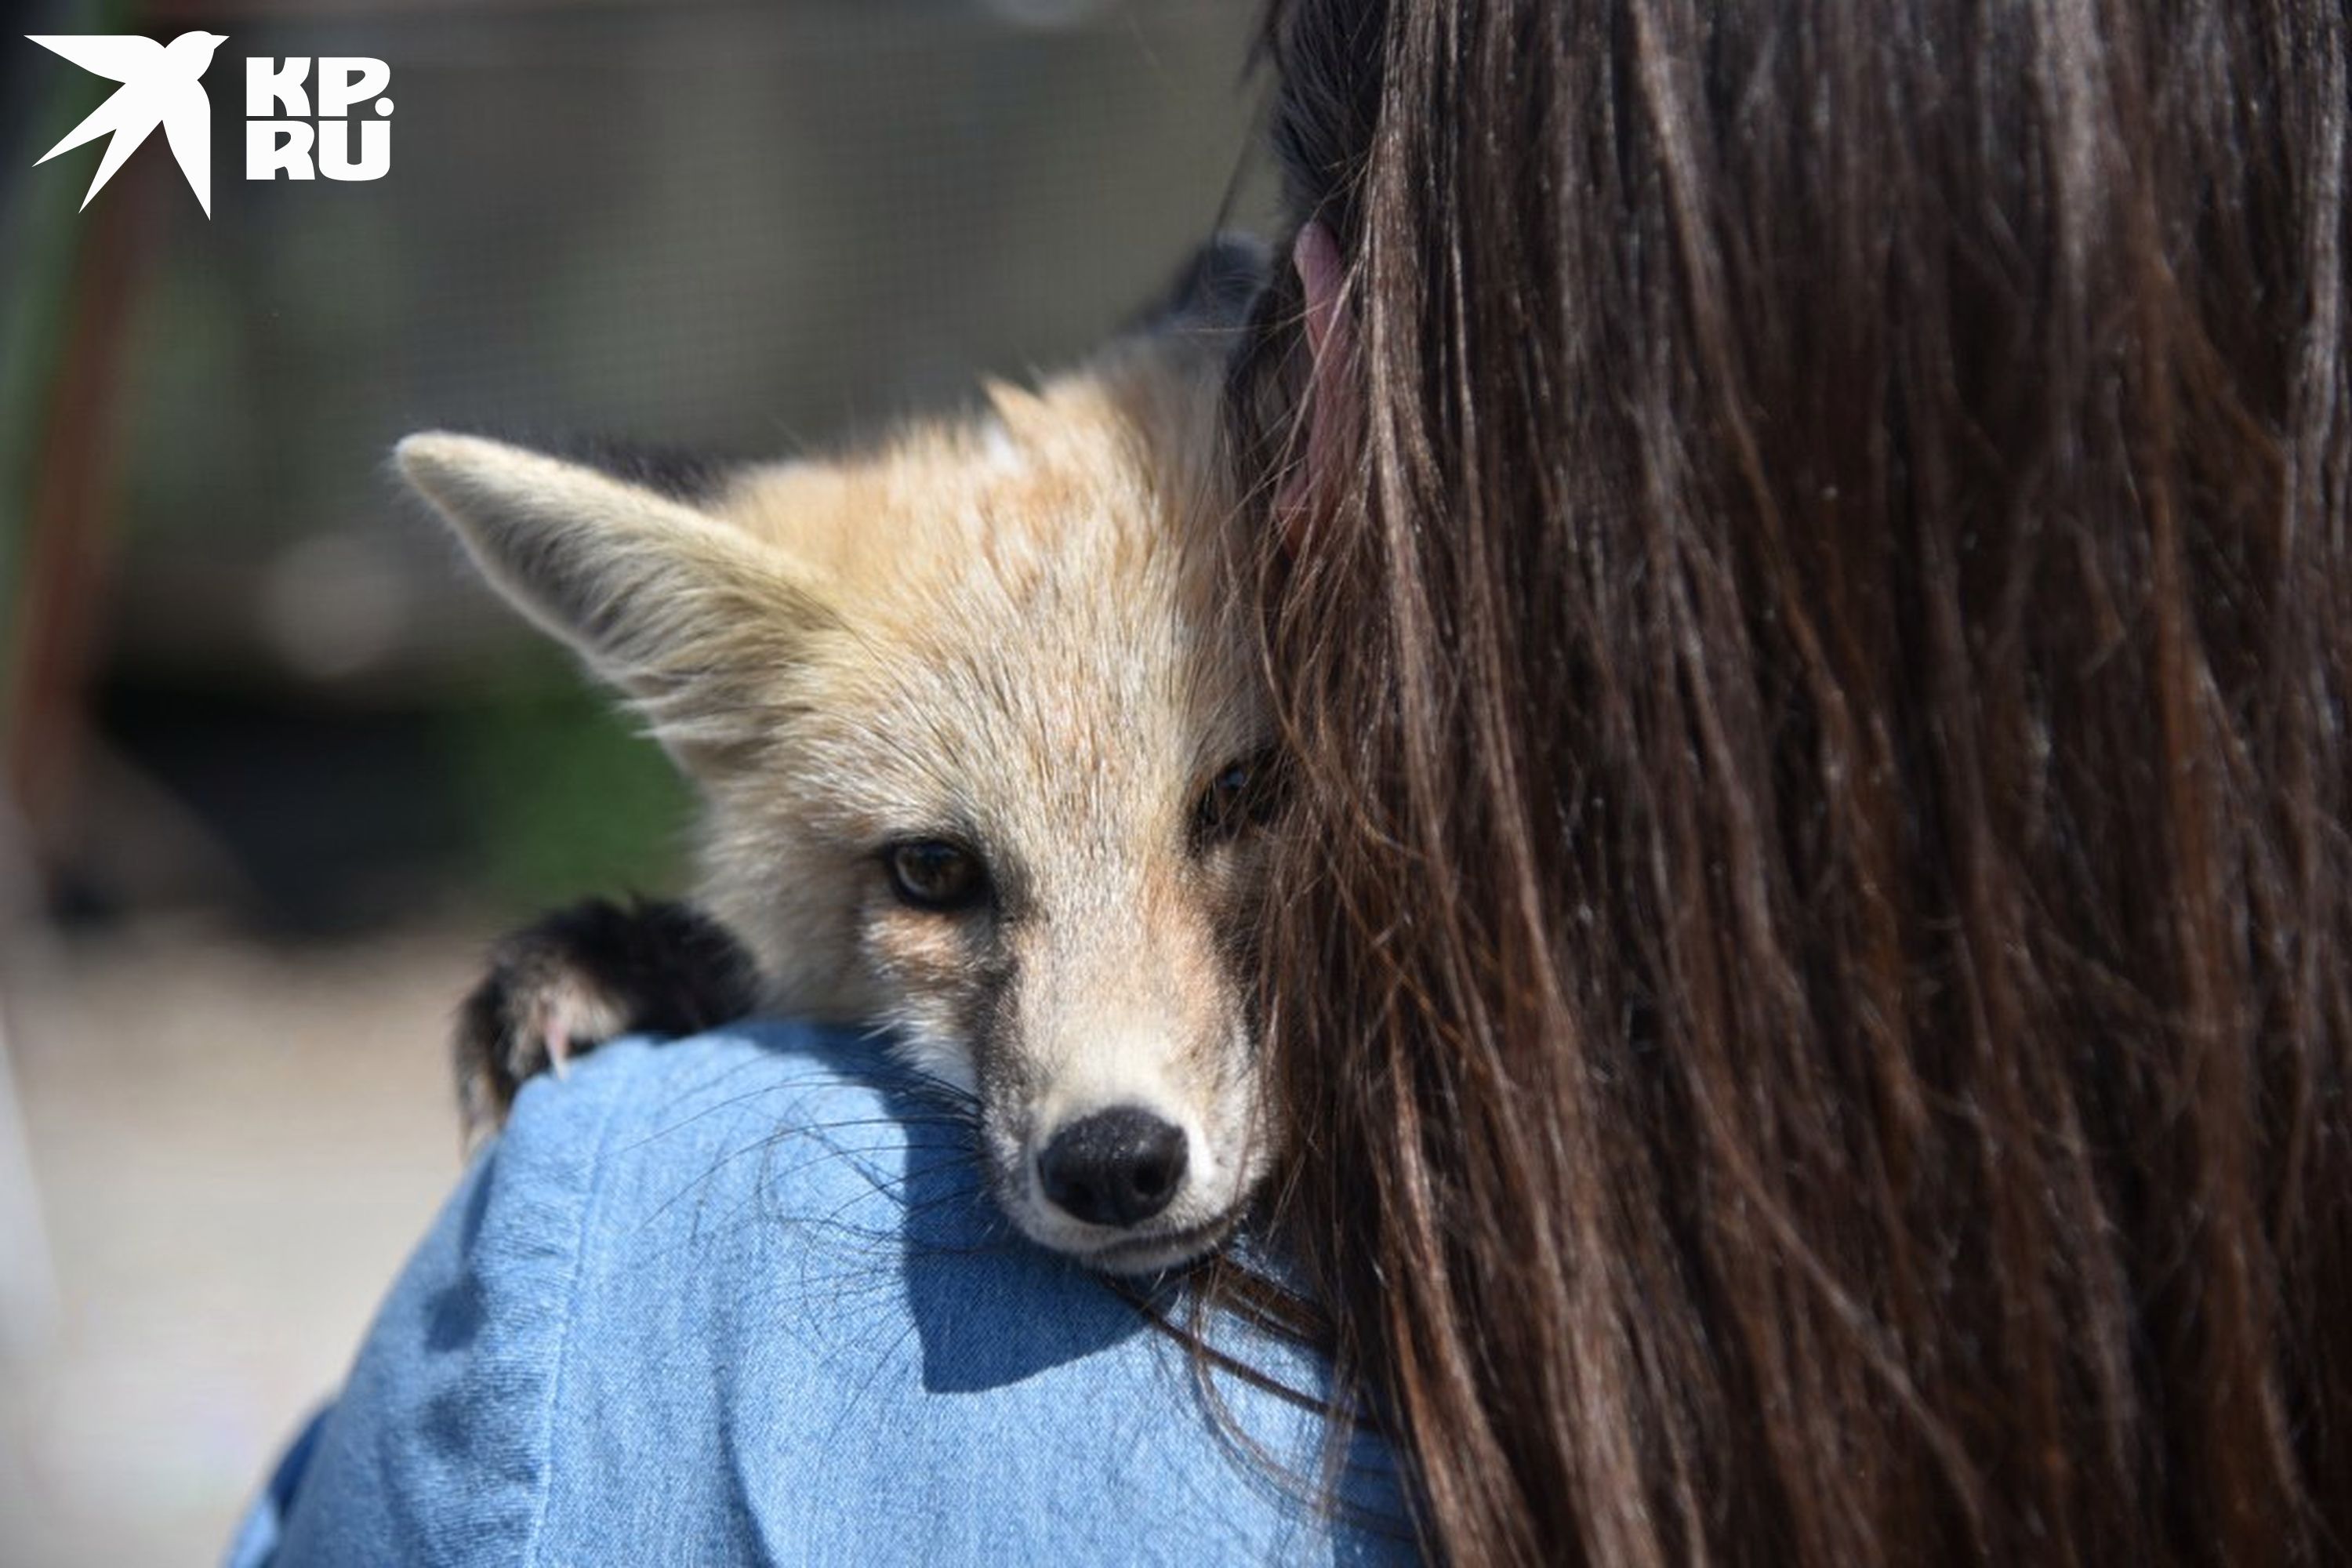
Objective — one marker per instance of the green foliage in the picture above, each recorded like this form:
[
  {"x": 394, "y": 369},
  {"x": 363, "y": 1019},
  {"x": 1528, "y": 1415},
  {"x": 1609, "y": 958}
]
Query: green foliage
[{"x": 571, "y": 801}]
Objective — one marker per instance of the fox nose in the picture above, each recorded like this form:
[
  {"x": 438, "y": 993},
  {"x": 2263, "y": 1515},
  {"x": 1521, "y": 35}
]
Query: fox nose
[{"x": 1116, "y": 1167}]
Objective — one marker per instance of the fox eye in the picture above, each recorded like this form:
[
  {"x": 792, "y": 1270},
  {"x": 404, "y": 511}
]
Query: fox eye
[
  {"x": 933, "y": 874},
  {"x": 1239, "y": 796}
]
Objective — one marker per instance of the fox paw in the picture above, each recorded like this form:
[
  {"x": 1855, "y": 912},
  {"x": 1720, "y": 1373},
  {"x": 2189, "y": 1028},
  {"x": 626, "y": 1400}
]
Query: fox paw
[{"x": 577, "y": 978}]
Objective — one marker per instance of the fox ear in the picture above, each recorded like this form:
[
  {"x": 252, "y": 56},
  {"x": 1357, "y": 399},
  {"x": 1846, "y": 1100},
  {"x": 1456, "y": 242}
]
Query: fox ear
[
  {"x": 1217, "y": 289},
  {"x": 690, "y": 616}
]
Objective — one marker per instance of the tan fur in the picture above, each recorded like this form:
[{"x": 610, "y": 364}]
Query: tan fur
[{"x": 1013, "y": 630}]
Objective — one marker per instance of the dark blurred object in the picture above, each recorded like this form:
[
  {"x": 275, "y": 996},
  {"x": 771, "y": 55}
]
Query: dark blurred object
[
  {"x": 258, "y": 680},
  {"x": 65, "y": 288}
]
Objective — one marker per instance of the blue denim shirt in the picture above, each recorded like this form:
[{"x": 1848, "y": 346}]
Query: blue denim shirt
[{"x": 740, "y": 1298}]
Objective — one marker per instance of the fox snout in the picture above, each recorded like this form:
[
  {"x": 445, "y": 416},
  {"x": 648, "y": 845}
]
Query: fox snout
[
  {"x": 1114, "y": 1061},
  {"x": 1137, "y": 1152},
  {"x": 1130, "y": 1188},
  {"x": 1117, "y": 1167}
]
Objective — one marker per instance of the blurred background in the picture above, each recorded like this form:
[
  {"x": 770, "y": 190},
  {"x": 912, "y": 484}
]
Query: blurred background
[{"x": 275, "y": 770}]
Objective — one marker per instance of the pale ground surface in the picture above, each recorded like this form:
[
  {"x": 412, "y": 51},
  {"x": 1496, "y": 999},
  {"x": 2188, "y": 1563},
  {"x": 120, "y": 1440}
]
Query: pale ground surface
[{"x": 234, "y": 1148}]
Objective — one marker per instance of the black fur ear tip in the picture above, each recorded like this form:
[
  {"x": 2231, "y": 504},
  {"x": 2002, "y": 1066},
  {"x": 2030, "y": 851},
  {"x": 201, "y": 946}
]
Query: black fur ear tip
[
  {"x": 1217, "y": 284},
  {"x": 1227, "y": 273}
]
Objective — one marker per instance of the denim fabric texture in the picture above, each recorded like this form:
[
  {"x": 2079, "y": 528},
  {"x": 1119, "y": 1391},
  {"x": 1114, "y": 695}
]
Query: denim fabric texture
[{"x": 740, "y": 1298}]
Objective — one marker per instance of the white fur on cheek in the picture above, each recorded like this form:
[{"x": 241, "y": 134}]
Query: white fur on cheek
[{"x": 931, "y": 1046}]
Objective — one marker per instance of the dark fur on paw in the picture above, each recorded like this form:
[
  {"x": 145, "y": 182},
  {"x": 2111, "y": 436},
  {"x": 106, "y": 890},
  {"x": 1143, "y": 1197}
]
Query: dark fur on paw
[{"x": 577, "y": 978}]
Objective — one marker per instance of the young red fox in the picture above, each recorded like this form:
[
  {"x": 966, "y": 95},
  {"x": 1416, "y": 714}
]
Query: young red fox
[{"x": 982, "y": 755}]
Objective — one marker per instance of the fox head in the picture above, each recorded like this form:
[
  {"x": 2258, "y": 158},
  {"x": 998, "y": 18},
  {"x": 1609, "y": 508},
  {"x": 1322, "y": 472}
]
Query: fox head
[{"x": 982, "y": 752}]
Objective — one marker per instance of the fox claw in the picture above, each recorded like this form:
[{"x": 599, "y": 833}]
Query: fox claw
[{"x": 577, "y": 978}]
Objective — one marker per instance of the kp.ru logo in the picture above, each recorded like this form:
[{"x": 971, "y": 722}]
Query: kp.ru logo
[{"x": 164, "y": 85}]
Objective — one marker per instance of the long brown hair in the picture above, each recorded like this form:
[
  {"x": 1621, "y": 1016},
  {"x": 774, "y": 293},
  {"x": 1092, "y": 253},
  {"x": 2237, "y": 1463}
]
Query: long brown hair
[{"x": 1813, "y": 984}]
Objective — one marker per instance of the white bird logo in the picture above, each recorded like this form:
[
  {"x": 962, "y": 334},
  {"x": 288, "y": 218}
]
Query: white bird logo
[{"x": 161, "y": 85}]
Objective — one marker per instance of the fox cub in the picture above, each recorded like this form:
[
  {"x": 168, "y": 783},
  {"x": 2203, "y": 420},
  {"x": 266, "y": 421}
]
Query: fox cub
[{"x": 983, "y": 759}]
